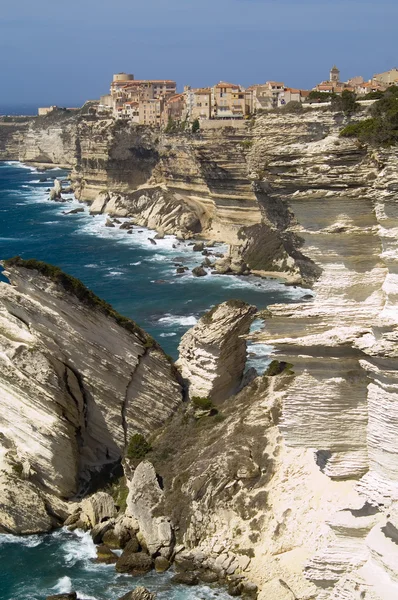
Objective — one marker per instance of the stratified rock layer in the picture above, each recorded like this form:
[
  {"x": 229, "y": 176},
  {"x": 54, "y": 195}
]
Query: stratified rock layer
[
  {"x": 212, "y": 355},
  {"x": 74, "y": 386}
]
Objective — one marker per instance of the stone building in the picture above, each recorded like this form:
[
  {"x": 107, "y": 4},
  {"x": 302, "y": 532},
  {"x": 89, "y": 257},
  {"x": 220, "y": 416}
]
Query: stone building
[
  {"x": 228, "y": 101},
  {"x": 387, "y": 78}
]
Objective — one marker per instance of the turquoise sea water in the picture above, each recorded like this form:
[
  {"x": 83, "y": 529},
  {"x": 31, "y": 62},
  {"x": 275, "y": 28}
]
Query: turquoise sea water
[{"x": 140, "y": 280}]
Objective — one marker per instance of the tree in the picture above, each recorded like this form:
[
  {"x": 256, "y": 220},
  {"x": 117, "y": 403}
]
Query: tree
[
  {"x": 195, "y": 126},
  {"x": 345, "y": 103}
]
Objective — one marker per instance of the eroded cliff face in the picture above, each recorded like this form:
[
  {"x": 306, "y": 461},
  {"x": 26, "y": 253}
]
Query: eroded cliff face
[
  {"x": 76, "y": 383},
  {"x": 250, "y": 186}
]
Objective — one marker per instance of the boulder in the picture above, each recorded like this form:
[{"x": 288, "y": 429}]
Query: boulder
[
  {"x": 98, "y": 508},
  {"x": 98, "y": 531},
  {"x": 199, "y": 272},
  {"x": 144, "y": 503},
  {"x": 187, "y": 578},
  {"x": 75, "y": 211},
  {"x": 126, "y": 225},
  {"x": 161, "y": 564},
  {"x": 199, "y": 247},
  {"x": 139, "y": 593},
  {"x": 105, "y": 555},
  {"x": 109, "y": 223},
  {"x": 134, "y": 563},
  {"x": 152, "y": 241},
  {"x": 99, "y": 203}
]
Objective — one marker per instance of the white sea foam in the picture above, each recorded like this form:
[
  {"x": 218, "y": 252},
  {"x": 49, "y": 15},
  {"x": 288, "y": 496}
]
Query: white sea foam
[
  {"x": 63, "y": 585},
  {"x": 179, "y": 321},
  {"x": 91, "y": 266},
  {"x": 114, "y": 274},
  {"x": 30, "y": 541},
  {"x": 135, "y": 264},
  {"x": 165, "y": 335},
  {"x": 16, "y": 163},
  {"x": 80, "y": 547}
]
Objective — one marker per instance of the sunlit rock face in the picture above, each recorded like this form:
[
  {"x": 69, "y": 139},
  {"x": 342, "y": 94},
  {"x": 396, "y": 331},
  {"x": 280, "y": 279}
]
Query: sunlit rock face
[
  {"x": 212, "y": 355},
  {"x": 342, "y": 402},
  {"x": 75, "y": 385}
]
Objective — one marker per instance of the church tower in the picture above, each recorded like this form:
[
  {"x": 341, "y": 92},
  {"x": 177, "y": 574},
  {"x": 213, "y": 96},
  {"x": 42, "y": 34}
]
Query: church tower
[{"x": 334, "y": 74}]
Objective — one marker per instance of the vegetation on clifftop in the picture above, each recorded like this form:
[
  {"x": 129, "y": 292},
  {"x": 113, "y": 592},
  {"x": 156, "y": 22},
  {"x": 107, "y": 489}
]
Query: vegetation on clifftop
[
  {"x": 74, "y": 286},
  {"x": 381, "y": 128}
]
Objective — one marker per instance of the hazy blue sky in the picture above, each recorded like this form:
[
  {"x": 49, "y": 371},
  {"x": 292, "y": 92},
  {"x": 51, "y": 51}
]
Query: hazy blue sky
[{"x": 65, "y": 52}]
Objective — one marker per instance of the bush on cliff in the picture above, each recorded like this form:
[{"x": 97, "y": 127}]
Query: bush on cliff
[
  {"x": 381, "y": 129},
  {"x": 138, "y": 447},
  {"x": 195, "y": 126},
  {"x": 345, "y": 103},
  {"x": 202, "y": 403},
  {"x": 278, "y": 368},
  {"x": 74, "y": 286}
]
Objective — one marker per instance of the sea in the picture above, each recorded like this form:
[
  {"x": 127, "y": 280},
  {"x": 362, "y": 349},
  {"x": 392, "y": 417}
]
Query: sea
[{"x": 140, "y": 280}]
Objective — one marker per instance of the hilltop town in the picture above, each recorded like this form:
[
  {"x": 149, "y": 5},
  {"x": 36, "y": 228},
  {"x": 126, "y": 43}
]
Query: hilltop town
[{"x": 156, "y": 102}]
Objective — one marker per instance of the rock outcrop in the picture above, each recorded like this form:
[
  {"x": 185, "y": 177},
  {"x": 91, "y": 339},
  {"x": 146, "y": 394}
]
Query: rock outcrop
[
  {"x": 144, "y": 504},
  {"x": 212, "y": 355},
  {"x": 76, "y": 382}
]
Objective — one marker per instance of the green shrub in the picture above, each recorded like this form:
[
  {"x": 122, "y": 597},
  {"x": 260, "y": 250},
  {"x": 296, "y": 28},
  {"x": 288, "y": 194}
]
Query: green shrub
[
  {"x": 246, "y": 144},
  {"x": 277, "y": 368},
  {"x": 345, "y": 103},
  {"x": 195, "y": 126},
  {"x": 202, "y": 403},
  {"x": 320, "y": 96},
  {"x": 292, "y": 107},
  {"x": 138, "y": 447},
  {"x": 381, "y": 129}
]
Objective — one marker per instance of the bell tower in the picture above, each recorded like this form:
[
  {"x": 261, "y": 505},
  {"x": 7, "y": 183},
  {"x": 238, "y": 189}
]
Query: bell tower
[{"x": 334, "y": 74}]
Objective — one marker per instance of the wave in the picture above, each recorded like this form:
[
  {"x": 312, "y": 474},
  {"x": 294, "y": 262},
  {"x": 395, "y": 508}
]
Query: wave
[
  {"x": 179, "y": 321},
  {"x": 135, "y": 264},
  {"x": 17, "y": 163},
  {"x": 165, "y": 335},
  {"x": 63, "y": 585},
  {"x": 80, "y": 547},
  {"x": 30, "y": 541},
  {"x": 114, "y": 273}
]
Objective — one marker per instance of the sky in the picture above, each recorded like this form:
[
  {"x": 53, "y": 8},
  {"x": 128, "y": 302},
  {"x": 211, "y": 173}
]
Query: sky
[{"x": 64, "y": 53}]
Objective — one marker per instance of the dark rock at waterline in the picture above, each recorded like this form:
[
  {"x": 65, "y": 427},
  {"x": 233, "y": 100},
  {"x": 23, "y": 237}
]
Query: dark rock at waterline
[
  {"x": 180, "y": 270},
  {"x": 130, "y": 231},
  {"x": 98, "y": 531},
  {"x": 199, "y": 272},
  {"x": 70, "y": 596},
  {"x": 139, "y": 593},
  {"x": 187, "y": 578},
  {"x": 308, "y": 297},
  {"x": 105, "y": 555},
  {"x": 208, "y": 576},
  {"x": 152, "y": 241},
  {"x": 109, "y": 223},
  {"x": 134, "y": 563},
  {"x": 161, "y": 564},
  {"x": 117, "y": 221},
  {"x": 75, "y": 211},
  {"x": 199, "y": 247},
  {"x": 126, "y": 225},
  {"x": 43, "y": 179}
]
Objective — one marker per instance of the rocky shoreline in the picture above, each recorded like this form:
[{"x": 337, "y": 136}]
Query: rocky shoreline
[{"x": 291, "y": 479}]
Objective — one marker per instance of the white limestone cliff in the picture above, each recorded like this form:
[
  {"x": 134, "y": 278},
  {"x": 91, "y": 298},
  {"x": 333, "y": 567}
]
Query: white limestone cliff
[
  {"x": 212, "y": 355},
  {"x": 76, "y": 382}
]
